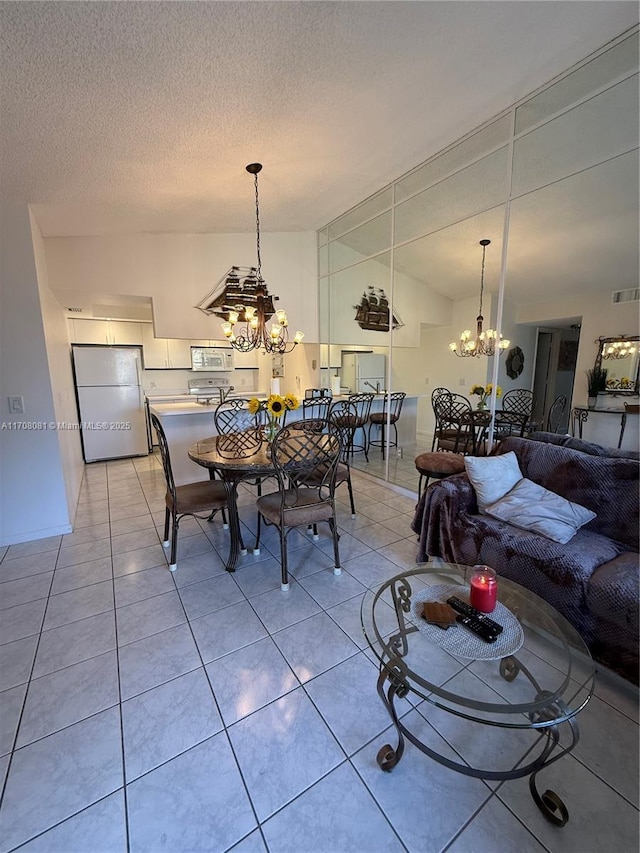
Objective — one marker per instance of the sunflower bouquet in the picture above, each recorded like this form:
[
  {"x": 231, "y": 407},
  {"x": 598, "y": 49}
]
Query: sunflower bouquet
[
  {"x": 274, "y": 406},
  {"x": 484, "y": 392}
]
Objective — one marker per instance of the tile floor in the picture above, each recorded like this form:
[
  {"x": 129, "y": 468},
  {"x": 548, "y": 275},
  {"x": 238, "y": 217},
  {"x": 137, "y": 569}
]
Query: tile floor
[{"x": 150, "y": 711}]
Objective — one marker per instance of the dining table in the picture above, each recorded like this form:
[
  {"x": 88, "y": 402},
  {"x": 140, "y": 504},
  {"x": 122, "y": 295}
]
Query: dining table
[{"x": 234, "y": 463}]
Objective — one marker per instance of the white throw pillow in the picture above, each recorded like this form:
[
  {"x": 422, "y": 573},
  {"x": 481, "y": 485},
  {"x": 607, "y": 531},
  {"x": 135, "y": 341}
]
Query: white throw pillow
[
  {"x": 492, "y": 476},
  {"x": 535, "y": 508}
]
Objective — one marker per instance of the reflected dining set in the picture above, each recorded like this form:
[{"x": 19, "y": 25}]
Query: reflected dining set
[
  {"x": 461, "y": 430},
  {"x": 306, "y": 460}
]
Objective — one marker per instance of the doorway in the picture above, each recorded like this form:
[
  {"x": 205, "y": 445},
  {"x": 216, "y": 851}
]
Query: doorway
[{"x": 555, "y": 370}]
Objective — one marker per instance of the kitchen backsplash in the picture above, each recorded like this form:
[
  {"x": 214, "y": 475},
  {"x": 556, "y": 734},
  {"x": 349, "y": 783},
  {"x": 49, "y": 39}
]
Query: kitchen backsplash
[{"x": 174, "y": 381}]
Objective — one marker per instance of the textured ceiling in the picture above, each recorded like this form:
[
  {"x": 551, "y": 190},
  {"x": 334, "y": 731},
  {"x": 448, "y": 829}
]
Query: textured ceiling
[{"x": 128, "y": 117}]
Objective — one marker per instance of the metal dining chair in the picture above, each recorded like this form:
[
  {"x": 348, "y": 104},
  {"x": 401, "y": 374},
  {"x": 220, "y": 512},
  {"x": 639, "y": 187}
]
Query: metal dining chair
[
  {"x": 316, "y": 408},
  {"x": 340, "y": 421},
  {"x": 239, "y": 433},
  {"x": 303, "y": 499},
  {"x": 205, "y": 496},
  {"x": 239, "y": 436},
  {"x": 454, "y": 424},
  {"x": 517, "y": 406}
]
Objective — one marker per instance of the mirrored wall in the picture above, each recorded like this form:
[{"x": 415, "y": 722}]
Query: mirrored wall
[{"x": 554, "y": 182}]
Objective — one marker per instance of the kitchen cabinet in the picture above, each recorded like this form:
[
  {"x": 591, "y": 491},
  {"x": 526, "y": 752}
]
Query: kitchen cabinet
[
  {"x": 330, "y": 355},
  {"x": 165, "y": 353},
  {"x": 105, "y": 332},
  {"x": 246, "y": 359}
]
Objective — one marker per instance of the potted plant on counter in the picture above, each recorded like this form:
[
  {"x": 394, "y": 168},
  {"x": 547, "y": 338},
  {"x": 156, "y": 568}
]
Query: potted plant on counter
[{"x": 596, "y": 382}]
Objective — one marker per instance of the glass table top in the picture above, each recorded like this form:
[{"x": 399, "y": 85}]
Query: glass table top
[{"x": 548, "y": 679}]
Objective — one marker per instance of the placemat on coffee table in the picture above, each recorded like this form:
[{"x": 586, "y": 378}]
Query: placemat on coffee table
[{"x": 458, "y": 640}]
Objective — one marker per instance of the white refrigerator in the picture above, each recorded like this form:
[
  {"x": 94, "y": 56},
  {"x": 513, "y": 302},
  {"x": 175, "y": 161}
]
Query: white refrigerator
[
  {"x": 363, "y": 372},
  {"x": 110, "y": 401}
]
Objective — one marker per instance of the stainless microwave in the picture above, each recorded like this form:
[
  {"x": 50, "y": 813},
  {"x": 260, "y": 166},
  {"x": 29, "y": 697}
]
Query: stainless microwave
[{"x": 211, "y": 358}]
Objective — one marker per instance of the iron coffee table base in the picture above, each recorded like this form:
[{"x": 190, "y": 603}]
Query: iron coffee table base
[{"x": 549, "y": 803}]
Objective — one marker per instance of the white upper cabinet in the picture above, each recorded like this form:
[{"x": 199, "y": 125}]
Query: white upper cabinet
[
  {"x": 104, "y": 332},
  {"x": 330, "y": 355},
  {"x": 165, "y": 353},
  {"x": 179, "y": 353},
  {"x": 246, "y": 359},
  {"x": 125, "y": 333}
]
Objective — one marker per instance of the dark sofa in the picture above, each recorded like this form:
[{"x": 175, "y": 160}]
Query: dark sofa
[{"x": 592, "y": 579}]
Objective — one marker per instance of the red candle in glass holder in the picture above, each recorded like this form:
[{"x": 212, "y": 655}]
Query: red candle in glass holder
[{"x": 483, "y": 589}]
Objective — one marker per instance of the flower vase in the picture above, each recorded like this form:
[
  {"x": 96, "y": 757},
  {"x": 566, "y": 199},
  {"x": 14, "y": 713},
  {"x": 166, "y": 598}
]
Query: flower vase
[
  {"x": 270, "y": 430},
  {"x": 591, "y": 402},
  {"x": 482, "y": 405}
]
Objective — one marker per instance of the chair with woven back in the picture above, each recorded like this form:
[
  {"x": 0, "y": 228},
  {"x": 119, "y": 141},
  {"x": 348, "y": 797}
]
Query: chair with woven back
[
  {"x": 515, "y": 416},
  {"x": 238, "y": 428},
  {"x": 205, "y": 496},
  {"x": 341, "y": 419},
  {"x": 554, "y": 417},
  {"x": 239, "y": 436},
  {"x": 316, "y": 408},
  {"x": 304, "y": 498},
  {"x": 454, "y": 424}
]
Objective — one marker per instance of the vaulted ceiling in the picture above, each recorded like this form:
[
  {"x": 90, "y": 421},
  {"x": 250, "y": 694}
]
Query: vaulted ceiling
[{"x": 124, "y": 117}]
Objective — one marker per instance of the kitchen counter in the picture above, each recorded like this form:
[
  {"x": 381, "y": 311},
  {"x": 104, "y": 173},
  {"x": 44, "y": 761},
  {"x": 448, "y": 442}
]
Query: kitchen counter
[
  {"x": 186, "y": 422},
  {"x": 171, "y": 406}
]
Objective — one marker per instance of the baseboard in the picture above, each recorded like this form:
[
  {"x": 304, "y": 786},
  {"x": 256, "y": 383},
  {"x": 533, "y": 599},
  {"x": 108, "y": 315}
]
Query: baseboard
[{"x": 32, "y": 535}]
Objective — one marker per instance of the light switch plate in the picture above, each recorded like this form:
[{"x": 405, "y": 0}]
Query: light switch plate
[{"x": 16, "y": 405}]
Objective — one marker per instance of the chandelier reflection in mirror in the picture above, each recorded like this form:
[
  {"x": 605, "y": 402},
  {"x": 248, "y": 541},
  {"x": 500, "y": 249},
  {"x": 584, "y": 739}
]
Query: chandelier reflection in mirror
[
  {"x": 618, "y": 349},
  {"x": 242, "y": 298},
  {"x": 484, "y": 343}
]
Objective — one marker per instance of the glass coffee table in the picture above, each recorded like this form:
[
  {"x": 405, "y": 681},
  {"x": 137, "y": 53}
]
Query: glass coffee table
[{"x": 539, "y": 671}]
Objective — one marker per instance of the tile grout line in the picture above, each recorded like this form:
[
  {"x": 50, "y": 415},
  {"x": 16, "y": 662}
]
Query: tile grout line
[
  {"x": 120, "y": 716},
  {"x": 26, "y": 693}
]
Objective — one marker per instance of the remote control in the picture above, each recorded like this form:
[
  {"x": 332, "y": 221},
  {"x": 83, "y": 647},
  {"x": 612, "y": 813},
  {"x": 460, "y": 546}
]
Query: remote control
[
  {"x": 468, "y": 610},
  {"x": 478, "y": 627}
]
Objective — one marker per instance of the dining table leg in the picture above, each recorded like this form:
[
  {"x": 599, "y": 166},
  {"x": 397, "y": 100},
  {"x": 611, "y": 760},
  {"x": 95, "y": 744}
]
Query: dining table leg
[{"x": 236, "y": 544}]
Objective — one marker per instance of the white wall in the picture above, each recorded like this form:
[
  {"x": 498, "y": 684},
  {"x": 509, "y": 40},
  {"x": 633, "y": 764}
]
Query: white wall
[
  {"x": 521, "y": 336},
  {"x": 178, "y": 270},
  {"x": 33, "y": 500},
  {"x": 61, "y": 375},
  {"x": 436, "y": 366}
]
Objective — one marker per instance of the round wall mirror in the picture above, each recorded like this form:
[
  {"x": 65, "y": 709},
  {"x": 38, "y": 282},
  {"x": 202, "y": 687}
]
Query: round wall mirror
[{"x": 515, "y": 363}]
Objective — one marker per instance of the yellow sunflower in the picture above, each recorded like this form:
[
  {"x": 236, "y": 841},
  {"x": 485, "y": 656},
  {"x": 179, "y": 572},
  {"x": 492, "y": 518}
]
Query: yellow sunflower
[
  {"x": 254, "y": 405},
  {"x": 291, "y": 402},
  {"x": 276, "y": 405}
]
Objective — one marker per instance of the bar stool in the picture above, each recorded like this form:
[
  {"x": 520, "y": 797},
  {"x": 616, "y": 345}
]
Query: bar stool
[
  {"x": 390, "y": 414},
  {"x": 436, "y": 465},
  {"x": 362, "y": 405}
]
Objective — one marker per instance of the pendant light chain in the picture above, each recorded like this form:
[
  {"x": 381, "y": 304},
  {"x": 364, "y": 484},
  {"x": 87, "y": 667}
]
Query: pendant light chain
[
  {"x": 484, "y": 251},
  {"x": 255, "y": 181},
  {"x": 485, "y": 342},
  {"x": 243, "y": 299}
]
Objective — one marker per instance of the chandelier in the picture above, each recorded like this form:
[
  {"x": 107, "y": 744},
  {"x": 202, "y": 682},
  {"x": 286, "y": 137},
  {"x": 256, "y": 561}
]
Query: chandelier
[
  {"x": 242, "y": 299},
  {"x": 484, "y": 343},
  {"x": 618, "y": 349}
]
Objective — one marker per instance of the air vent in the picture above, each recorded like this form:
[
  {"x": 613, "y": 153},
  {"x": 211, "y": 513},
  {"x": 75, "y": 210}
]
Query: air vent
[
  {"x": 631, "y": 295},
  {"x": 75, "y": 310}
]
